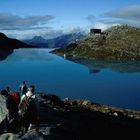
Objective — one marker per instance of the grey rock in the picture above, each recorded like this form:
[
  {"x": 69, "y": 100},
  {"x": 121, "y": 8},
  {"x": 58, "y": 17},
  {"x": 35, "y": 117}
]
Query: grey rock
[{"x": 9, "y": 136}]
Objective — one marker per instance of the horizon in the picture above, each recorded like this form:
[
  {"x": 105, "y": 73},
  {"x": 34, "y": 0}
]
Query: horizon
[{"x": 52, "y": 18}]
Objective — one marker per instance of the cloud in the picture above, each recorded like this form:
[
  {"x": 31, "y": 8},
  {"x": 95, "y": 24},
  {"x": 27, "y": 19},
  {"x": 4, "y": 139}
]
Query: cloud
[
  {"x": 91, "y": 18},
  {"x": 27, "y": 27},
  {"x": 28, "y": 34},
  {"x": 103, "y": 26},
  {"x": 47, "y": 33},
  {"x": 13, "y": 22},
  {"x": 129, "y": 13},
  {"x": 99, "y": 22},
  {"x": 74, "y": 30}
]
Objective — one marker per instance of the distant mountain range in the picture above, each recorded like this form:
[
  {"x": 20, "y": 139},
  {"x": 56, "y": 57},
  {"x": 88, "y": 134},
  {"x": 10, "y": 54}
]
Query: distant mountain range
[
  {"x": 8, "y": 43},
  {"x": 61, "y": 41}
]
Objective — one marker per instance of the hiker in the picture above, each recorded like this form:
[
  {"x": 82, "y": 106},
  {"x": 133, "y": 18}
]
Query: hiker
[
  {"x": 23, "y": 88},
  {"x": 28, "y": 109},
  {"x": 12, "y": 116},
  {"x": 8, "y": 89}
]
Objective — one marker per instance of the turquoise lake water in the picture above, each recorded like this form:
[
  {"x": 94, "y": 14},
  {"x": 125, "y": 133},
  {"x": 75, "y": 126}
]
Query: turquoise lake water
[{"x": 111, "y": 83}]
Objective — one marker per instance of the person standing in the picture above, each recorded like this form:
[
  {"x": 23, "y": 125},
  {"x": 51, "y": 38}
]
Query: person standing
[
  {"x": 23, "y": 88},
  {"x": 8, "y": 89},
  {"x": 12, "y": 117},
  {"x": 28, "y": 109}
]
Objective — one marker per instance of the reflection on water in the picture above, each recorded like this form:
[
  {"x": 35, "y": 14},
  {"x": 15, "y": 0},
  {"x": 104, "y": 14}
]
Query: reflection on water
[
  {"x": 30, "y": 55},
  {"x": 5, "y": 53},
  {"x": 96, "y": 66}
]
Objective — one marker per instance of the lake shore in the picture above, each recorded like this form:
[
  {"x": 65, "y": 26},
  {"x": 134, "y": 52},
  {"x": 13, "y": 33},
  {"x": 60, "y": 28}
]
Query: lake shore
[{"x": 80, "y": 120}]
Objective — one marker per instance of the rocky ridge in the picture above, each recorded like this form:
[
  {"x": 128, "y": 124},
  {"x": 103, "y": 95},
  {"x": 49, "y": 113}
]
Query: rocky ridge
[
  {"x": 69, "y": 119},
  {"x": 117, "y": 43}
]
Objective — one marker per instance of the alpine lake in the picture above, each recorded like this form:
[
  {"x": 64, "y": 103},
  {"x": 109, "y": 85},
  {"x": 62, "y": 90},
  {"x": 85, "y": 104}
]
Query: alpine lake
[{"x": 113, "y": 83}]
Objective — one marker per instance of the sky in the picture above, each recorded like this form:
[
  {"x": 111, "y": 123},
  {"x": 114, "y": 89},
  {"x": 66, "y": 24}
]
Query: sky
[{"x": 24, "y": 19}]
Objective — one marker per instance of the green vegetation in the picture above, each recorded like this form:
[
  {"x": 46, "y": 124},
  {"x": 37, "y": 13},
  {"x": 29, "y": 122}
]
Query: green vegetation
[{"x": 117, "y": 43}]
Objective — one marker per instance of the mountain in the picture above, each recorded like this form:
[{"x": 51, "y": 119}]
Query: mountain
[
  {"x": 64, "y": 40},
  {"x": 61, "y": 41},
  {"x": 8, "y": 43},
  {"x": 117, "y": 43},
  {"x": 38, "y": 41}
]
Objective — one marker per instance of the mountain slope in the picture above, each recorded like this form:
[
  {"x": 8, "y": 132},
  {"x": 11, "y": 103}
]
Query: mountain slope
[
  {"x": 38, "y": 41},
  {"x": 8, "y": 43},
  {"x": 64, "y": 40},
  {"x": 119, "y": 43}
]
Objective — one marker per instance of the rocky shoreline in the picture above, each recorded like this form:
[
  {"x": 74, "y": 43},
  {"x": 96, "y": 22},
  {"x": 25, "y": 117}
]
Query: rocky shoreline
[{"x": 71, "y": 119}]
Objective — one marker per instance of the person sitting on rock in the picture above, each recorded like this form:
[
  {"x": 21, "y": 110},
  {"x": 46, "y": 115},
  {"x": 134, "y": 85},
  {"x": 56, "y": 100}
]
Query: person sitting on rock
[
  {"x": 28, "y": 109},
  {"x": 12, "y": 117}
]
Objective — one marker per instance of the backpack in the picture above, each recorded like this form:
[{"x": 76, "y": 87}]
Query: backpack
[
  {"x": 27, "y": 106},
  {"x": 16, "y": 98}
]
